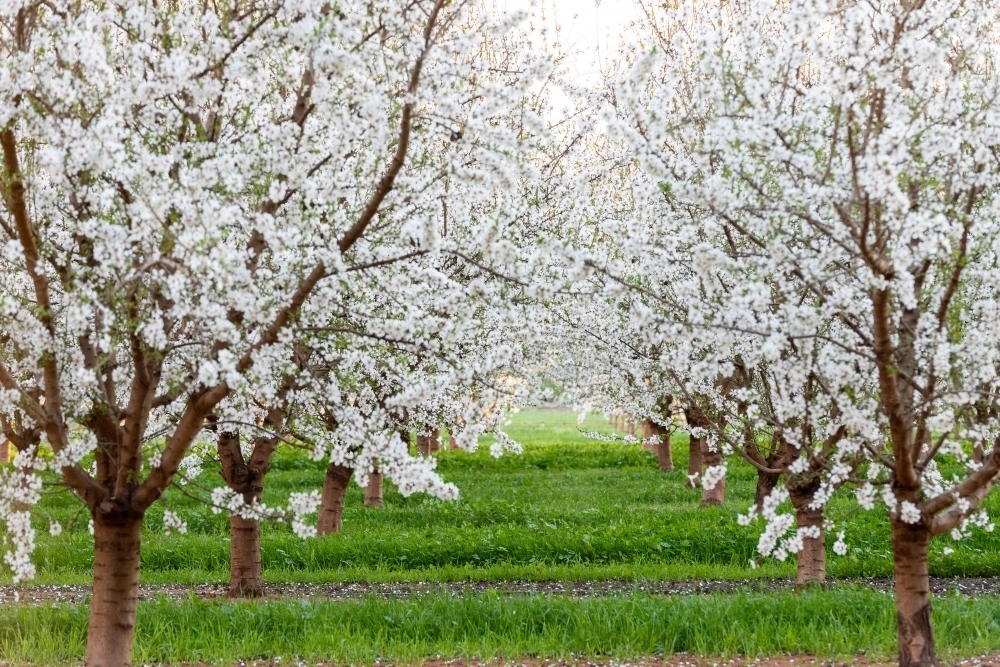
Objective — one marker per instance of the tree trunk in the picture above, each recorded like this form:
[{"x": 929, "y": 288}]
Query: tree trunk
[
  {"x": 331, "y": 509},
  {"x": 116, "y": 589},
  {"x": 435, "y": 444},
  {"x": 717, "y": 494},
  {"x": 664, "y": 455},
  {"x": 766, "y": 481},
  {"x": 910, "y": 543},
  {"x": 630, "y": 427},
  {"x": 245, "y": 578},
  {"x": 811, "y": 565},
  {"x": 373, "y": 492},
  {"x": 423, "y": 445},
  {"x": 4, "y": 450},
  {"x": 696, "y": 448},
  {"x": 648, "y": 431}
]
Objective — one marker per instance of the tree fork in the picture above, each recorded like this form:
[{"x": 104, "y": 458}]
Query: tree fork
[{"x": 245, "y": 569}]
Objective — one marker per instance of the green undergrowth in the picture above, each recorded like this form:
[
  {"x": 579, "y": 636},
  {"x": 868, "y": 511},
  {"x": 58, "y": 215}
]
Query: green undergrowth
[
  {"x": 568, "y": 508},
  {"x": 822, "y": 623}
]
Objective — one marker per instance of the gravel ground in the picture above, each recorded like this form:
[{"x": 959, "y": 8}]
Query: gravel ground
[
  {"x": 678, "y": 660},
  {"x": 970, "y": 586}
]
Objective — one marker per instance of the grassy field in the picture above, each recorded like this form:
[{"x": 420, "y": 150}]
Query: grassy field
[
  {"x": 819, "y": 623},
  {"x": 569, "y": 508}
]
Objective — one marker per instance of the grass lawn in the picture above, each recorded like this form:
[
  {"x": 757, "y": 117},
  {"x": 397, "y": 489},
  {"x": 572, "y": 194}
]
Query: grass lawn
[{"x": 569, "y": 508}]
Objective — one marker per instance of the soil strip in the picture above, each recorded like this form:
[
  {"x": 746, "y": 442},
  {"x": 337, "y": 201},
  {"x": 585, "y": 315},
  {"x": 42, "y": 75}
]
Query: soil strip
[{"x": 968, "y": 586}]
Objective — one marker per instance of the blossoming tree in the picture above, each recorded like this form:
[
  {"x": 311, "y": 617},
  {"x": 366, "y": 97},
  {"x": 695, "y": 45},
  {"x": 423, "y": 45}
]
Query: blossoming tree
[
  {"x": 832, "y": 169},
  {"x": 182, "y": 186}
]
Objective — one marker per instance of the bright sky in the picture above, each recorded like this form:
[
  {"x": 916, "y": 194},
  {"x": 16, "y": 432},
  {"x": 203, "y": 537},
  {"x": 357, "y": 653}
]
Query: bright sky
[{"x": 590, "y": 30}]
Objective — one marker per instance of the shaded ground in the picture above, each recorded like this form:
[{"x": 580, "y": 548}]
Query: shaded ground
[{"x": 969, "y": 586}]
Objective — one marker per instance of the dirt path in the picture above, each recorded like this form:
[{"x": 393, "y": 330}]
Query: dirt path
[{"x": 970, "y": 586}]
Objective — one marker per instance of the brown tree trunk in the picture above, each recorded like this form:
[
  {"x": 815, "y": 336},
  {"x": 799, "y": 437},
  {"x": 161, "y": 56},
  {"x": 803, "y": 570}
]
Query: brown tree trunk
[
  {"x": 811, "y": 565},
  {"x": 435, "y": 444},
  {"x": 664, "y": 455},
  {"x": 630, "y": 427},
  {"x": 116, "y": 589},
  {"x": 648, "y": 431},
  {"x": 331, "y": 509},
  {"x": 695, "y": 418},
  {"x": 717, "y": 494},
  {"x": 373, "y": 492},
  {"x": 423, "y": 445},
  {"x": 696, "y": 449},
  {"x": 4, "y": 450},
  {"x": 245, "y": 577},
  {"x": 766, "y": 481},
  {"x": 910, "y": 543}
]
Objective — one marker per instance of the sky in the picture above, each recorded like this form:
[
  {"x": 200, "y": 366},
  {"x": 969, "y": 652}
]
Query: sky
[{"x": 590, "y": 31}]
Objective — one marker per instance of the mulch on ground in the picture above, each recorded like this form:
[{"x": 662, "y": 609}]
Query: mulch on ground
[{"x": 969, "y": 586}]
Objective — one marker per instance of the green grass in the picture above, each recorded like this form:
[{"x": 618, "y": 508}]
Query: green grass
[
  {"x": 568, "y": 508},
  {"x": 822, "y": 623}
]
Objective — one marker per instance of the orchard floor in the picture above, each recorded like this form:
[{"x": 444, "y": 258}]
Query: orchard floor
[
  {"x": 79, "y": 594},
  {"x": 577, "y": 547}
]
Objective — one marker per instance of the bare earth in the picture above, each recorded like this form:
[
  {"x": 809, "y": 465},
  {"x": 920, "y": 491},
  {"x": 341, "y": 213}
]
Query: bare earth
[{"x": 969, "y": 586}]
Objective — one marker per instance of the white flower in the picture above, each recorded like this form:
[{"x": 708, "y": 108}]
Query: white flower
[
  {"x": 173, "y": 523},
  {"x": 840, "y": 547},
  {"x": 909, "y": 512}
]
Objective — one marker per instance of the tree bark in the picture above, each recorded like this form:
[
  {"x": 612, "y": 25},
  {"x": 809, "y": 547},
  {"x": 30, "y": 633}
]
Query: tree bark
[
  {"x": 695, "y": 418},
  {"x": 811, "y": 565},
  {"x": 766, "y": 482},
  {"x": 717, "y": 494},
  {"x": 910, "y": 543},
  {"x": 696, "y": 448},
  {"x": 331, "y": 510},
  {"x": 4, "y": 450},
  {"x": 664, "y": 455},
  {"x": 373, "y": 492},
  {"x": 648, "y": 431},
  {"x": 423, "y": 445},
  {"x": 111, "y": 632},
  {"x": 245, "y": 576}
]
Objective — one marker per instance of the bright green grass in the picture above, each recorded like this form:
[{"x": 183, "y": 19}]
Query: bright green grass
[
  {"x": 825, "y": 624},
  {"x": 568, "y": 508}
]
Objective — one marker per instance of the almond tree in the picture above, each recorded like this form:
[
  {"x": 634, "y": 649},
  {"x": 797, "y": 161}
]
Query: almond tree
[
  {"x": 847, "y": 153},
  {"x": 182, "y": 185}
]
